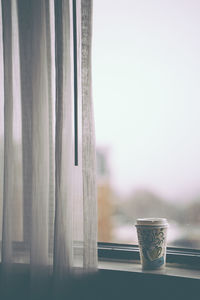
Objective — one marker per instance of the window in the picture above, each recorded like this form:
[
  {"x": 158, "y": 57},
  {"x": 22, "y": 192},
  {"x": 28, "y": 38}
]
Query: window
[{"x": 146, "y": 74}]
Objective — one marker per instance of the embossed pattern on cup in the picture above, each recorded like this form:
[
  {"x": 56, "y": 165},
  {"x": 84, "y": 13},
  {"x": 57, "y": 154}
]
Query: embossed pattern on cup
[{"x": 152, "y": 243}]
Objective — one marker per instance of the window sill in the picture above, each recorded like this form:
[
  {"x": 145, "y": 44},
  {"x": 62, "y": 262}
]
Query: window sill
[
  {"x": 127, "y": 280},
  {"x": 181, "y": 263},
  {"x": 133, "y": 267}
]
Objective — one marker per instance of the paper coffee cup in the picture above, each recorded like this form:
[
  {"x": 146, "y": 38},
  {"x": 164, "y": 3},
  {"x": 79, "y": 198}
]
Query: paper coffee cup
[{"x": 152, "y": 239}]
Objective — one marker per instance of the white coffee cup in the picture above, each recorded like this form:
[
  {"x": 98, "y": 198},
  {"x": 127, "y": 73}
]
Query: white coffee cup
[{"x": 152, "y": 240}]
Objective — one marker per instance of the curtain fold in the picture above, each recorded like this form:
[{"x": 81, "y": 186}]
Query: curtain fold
[
  {"x": 88, "y": 142},
  {"x": 63, "y": 254},
  {"x": 40, "y": 138},
  {"x": 7, "y": 22},
  {"x": 48, "y": 207}
]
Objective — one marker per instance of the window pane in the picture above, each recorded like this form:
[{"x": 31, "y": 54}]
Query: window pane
[{"x": 146, "y": 74}]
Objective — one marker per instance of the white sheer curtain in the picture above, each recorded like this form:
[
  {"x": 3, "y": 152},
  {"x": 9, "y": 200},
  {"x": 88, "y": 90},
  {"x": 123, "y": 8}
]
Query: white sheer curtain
[{"x": 48, "y": 205}]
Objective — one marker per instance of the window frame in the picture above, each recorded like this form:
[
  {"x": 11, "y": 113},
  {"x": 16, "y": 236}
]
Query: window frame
[
  {"x": 182, "y": 257},
  {"x": 186, "y": 258}
]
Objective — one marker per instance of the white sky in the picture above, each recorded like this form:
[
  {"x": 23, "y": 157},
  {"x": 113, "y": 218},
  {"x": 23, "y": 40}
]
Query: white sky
[{"x": 146, "y": 87}]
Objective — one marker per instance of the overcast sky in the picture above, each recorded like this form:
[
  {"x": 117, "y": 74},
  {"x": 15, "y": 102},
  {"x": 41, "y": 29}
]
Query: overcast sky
[{"x": 146, "y": 87}]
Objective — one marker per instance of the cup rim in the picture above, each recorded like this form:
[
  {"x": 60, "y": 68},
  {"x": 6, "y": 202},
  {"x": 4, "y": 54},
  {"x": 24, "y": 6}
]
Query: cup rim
[{"x": 158, "y": 222}]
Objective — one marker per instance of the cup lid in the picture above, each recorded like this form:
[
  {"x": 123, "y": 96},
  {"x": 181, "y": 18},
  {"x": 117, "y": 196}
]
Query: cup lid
[{"x": 152, "y": 221}]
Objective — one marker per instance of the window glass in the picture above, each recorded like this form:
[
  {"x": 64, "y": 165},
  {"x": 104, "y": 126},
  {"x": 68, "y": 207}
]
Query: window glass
[{"x": 146, "y": 74}]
